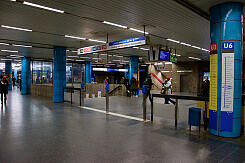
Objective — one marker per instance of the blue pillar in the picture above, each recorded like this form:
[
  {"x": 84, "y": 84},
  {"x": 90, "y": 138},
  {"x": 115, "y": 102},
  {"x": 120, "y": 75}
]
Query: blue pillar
[
  {"x": 226, "y": 31},
  {"x": 59, "y": 74},
  {"x": 126, "y": 73},
  {"x": 25, "y": 76},
  {"x": 133, "y": 66},
  {"x": 8, "y": 72},
  {"x": 88, "y": 72}
]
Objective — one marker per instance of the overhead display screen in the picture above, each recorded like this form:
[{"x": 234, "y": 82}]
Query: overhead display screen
[{"x": 164, "y": 55}]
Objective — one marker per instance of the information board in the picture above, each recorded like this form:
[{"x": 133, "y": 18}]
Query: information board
[{"x": 227, "y": 82}]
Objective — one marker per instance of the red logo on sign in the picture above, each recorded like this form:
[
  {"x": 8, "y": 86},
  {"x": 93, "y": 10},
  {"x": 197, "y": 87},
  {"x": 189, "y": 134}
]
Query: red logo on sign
[
  {"x": 104, "y": 47},
  {"x": 88, "y": 50},
  {"x": 214, "y": 47}
]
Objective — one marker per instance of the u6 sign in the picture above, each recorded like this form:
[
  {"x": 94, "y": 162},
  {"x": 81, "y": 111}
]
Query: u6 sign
[{"x": 228, "y": 45}]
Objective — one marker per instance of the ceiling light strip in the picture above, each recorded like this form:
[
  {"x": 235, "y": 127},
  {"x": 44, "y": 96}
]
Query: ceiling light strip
[
  {"x": 43, "y": 7},
  {"x": 114, "y": 24},
  {"x": 16, "y": 28}
]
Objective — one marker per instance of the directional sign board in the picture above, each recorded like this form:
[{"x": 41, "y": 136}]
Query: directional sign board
[{"x": 137, "y": 41}]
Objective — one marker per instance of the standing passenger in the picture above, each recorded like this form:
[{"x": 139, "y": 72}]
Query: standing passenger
[
  {"x": 205, "y": 87},
  {"x": 4, "y": 89},
  {"x": 168, "y": 87}
]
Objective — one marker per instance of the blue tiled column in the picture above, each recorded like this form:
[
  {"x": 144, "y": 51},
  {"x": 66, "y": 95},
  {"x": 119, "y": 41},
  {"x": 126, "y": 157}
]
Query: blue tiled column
[
  {"x": 126, "y": 73},
  {"x": 88, "y": 72},
  {"x": 133, "y": 66},
  {"x": 15, "y": 73},
  {"x": 59, "y": 74},
  {"x": 8, "y": 72},
  {"x": 25, "y": 76},
  {"x": 226, "y": 26}
]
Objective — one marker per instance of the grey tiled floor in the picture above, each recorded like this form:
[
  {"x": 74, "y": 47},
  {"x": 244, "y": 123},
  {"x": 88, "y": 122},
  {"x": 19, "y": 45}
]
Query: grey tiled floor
[{"x": 33, "y": 129}]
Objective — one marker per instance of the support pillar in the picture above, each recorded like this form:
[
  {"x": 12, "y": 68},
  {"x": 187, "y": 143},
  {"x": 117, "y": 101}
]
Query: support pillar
[
  {"x": 8, "y": 73},
  {"x": 88, "y": 72},
  {"x": 226, "y": 69},
  {"x": 133, "y": 67},
  {"x": 59, "y": 74},
  {"x": 126, "y": 73},
  {"x": 25, "y": 76}
]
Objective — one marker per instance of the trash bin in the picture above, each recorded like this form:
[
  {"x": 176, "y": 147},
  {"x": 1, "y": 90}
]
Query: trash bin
[{"x": 194, "y": 117}]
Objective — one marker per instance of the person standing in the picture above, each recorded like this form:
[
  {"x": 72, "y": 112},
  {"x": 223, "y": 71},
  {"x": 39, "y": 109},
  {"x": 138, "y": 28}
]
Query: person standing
[
  {"x": 4, "y": 89},
  {"x": 107, "y": 80},
  {"x": 148, "y": 83},
  {"x": 13, "y": 79},
  {"x": 133, "y": 86},
  {"x": 205, "y": 87},
  {"x": 168, "y": 87}
]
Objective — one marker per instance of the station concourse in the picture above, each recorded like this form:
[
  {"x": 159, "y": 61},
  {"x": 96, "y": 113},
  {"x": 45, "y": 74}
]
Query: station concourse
[{"x": 122, "y": 81}]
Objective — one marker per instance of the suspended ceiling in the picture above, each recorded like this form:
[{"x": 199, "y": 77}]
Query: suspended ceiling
[{"x": 162, "y": 19}]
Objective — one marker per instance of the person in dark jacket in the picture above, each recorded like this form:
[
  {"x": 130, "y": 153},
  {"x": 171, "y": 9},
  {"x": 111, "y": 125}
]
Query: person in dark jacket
[
  {"x": 148, "y": 83},
  {"x": 205, "y": 87},
  {"x": 4, "y": 89},
  {"x": 133, "y": 86}
]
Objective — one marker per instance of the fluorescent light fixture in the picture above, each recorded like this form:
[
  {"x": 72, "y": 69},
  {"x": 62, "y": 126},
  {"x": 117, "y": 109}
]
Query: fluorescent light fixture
[
  {"x": 20, "y": 29},
  {"x": 126, "y": 61},
  {"x": 79, "y": 60},
  {"x": 14, "y": 56},
  {"x": 99, "y": 69},
  {"x": 72, "y": 56},
  {"x": 111, "y": 64},
  {"x": 116, "y": 60},
  {"x": 103, "y": 54},
  {"x": 75, "y": 37},
  {"x": 182, "y": 43},
  {"x": 205, "y": 50},
  {"x": 143, "y": 65},
  {"x": 13, "y": 0},
  {"x": 10, "y": 51},
  {"x": 173, "y": 40},
  {"x": 42, "y": 7},
  {"x": 168, "y": 63},
  {"x": 140, "y": 58},
  {"x": 158, "y": 63},
  {"x": 1, "y": 43},
  {"x": 184, "y": 71},
  {"x": 194, "y": 58},
  {"x": 165, "y": 71},
  {"x": 136, "y": 30},
  {"x": 67, "y": 50},
  {"x": 196, "y": 47},
  {"x": 96, "y": 41},
  {"x": 114, "y": 24},
  {"x": 84, "y": 57},
  {"x": 25, "y": 46},
  {"x": 5, "y": 59},
  {"x": 144, "y": 49},
  {"x": 120, "y": 56},
  {"x": 178, "y": 55},
  {"x": 136, "y": 47},
  {"x": 74, "y": 51}
]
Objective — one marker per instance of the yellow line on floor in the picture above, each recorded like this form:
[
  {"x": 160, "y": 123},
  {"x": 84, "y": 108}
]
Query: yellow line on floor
[{"x": 114, "y": 114}]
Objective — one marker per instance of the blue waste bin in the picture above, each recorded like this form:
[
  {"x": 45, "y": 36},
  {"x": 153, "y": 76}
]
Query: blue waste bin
[
  {"x": 144, "y": 89},
  {"x": 194, "y": 117}
]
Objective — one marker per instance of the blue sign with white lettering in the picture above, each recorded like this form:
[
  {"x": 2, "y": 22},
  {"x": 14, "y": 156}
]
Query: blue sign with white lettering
[
  {"x": 131, "y": 40},
  {"x": 228, "y": 45}
]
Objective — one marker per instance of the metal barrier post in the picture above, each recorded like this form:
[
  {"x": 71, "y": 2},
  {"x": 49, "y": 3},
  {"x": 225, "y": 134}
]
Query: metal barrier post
[
  {"x": 144, "y": 106},
  {"x": 206, "y": 118},
  {"x": 82, "y": 99},
  {"x": 107, "y": 102},
  {"x": 152, "y": 109},
  {"x": 80, "y": 95},
  {"x": 176, "y": 113},
  {"x": 71, "y": 94}
]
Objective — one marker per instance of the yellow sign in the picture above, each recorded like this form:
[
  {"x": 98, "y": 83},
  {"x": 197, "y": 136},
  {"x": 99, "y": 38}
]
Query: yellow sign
[{"x": 213, "y": 82}]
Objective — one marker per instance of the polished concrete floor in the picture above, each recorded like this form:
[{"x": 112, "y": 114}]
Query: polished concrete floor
[{"x": 33, "y": 129}]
